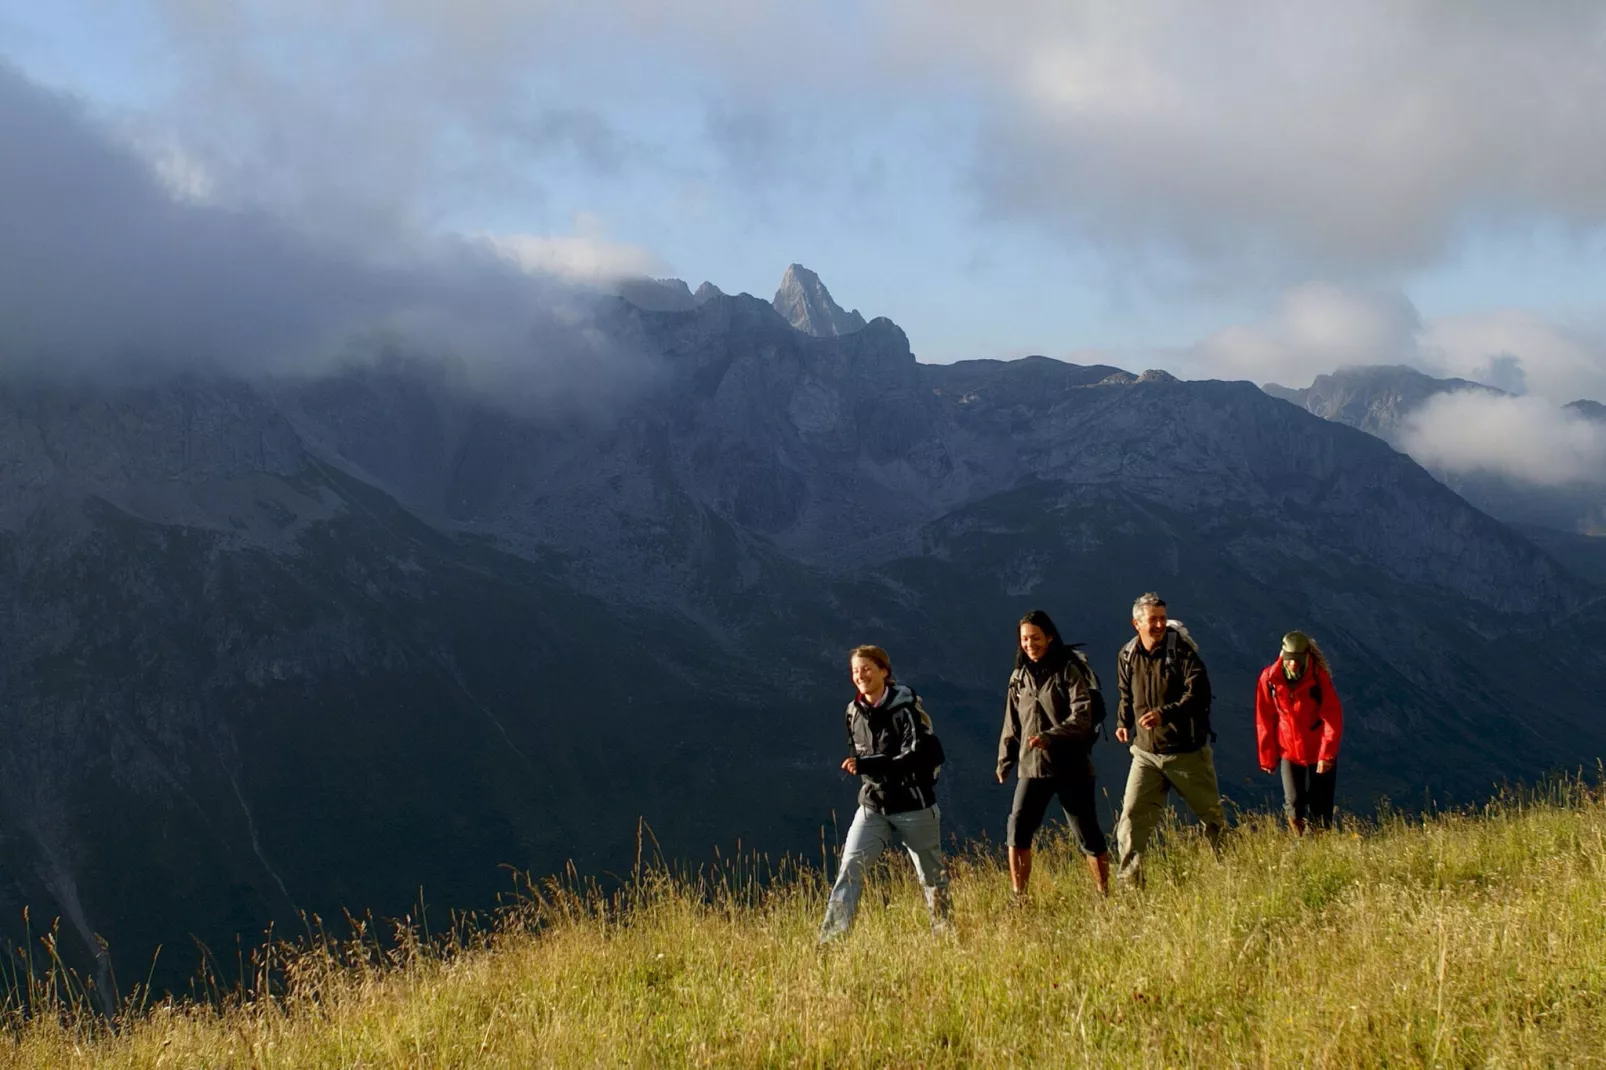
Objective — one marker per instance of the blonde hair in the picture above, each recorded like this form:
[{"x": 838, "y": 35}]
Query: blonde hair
[{"x": 1318, "y": 659}]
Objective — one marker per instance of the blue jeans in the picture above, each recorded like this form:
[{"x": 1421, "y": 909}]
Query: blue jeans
[{"x": 920, "y": 833}]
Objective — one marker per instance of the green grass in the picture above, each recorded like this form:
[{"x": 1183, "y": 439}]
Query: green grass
[{"x": 1466, "y": 939}]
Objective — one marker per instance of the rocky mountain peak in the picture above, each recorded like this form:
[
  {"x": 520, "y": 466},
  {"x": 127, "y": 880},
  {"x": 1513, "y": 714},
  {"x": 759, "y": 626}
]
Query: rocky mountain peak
[
  {"x": 1590, "y": 410},
  {"x": 707, "y": 292},
  {"x": 1375, "y": 398},
  {"x": 805, "y": 303}
]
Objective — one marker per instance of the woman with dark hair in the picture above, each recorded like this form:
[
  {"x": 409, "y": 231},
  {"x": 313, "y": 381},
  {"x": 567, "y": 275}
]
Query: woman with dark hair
[
  {"x": 895, "y": 754},
  {"x": 1298, "y": 724},
  {"x": 1051, "y": 719}
]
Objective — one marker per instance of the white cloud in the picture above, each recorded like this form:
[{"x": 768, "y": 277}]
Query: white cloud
[
  {"x": 1319, "y": 327},
  {"x": 1557, "y": 362},
  {"x": 107, "y": 269},
  {"x": 183, "y": 175},
  {"x": 1526, "y": 438},
  {"x": 1272, "y": 136},
  {"x": 1251, "y": 142},
  {"x": 1316, "y": 328},
  {"x": 587, "y": 256}
]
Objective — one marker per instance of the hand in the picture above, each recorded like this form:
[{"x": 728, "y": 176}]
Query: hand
[
  {"x": 1037, "y": 743},
  {"x": 1121, "y": 734},
  {"x": 1000, "y": 778},
  {"x": 850, "y": 766},
  {"x": 1150, "y": 719},
  {"x": 1268, "y": 769},
  {"x": 1322, "y": 767}
]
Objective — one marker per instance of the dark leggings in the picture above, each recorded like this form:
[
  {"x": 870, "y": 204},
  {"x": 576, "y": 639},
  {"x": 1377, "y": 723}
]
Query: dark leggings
[
  {"x": 1309, "y": 794},
  {"x": 1032, "y": 795}
]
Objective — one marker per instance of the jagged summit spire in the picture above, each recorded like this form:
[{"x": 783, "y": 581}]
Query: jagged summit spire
[{"x": 805, "y": 303}]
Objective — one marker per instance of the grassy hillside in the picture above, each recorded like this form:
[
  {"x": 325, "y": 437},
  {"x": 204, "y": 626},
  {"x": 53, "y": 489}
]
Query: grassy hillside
[{"x": 1461, "y": 939}]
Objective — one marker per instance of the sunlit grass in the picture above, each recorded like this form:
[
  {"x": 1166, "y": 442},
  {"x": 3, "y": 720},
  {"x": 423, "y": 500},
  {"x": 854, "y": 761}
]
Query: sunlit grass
[{"x": 1466, "y": 939}]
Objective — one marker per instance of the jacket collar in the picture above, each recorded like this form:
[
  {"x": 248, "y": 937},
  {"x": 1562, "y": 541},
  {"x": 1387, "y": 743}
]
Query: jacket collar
[{"x": 895, "y": 694}]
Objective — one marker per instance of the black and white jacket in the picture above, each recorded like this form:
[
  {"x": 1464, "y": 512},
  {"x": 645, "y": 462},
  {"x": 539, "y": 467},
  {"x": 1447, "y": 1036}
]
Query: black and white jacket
[{"x": 897, "y": 752}]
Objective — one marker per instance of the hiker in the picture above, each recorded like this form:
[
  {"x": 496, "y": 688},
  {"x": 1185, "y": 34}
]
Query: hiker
[
  {"x": 1164, "y": 713},
  {"x": 1298, "y": 724},
  {"x": 1053, "y": 707},
  {"x": 895, "y": 755}
]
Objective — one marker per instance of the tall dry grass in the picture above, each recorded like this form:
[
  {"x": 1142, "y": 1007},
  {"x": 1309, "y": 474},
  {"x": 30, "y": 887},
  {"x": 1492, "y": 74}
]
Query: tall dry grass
[{"x": 1463, "y": 939}]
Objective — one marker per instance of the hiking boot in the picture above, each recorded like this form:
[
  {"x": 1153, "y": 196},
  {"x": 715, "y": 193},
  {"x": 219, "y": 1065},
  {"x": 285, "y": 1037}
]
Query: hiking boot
[
  {"x": 1020, "y": 870},
  {"x": 1099, "y": 866}
]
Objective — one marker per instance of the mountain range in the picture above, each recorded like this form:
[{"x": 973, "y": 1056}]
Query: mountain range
[{"x": 278, "y": 647}]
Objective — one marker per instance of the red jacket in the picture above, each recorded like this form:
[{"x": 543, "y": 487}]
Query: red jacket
[{"x": 1300, "y": 720}]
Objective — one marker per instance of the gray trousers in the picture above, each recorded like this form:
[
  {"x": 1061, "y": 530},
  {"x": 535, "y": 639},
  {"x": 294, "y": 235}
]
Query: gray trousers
[
  {"x": 1193, "y": 775},
  {"x": 920, "y": 833}
]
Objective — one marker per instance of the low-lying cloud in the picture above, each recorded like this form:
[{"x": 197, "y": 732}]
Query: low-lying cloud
[
  {"x": 110, "y": 266},
  {"x": 1320, "y": 327},
  {"x": 1525, "y": 438},
  {"x": 1315, "y": 328}
]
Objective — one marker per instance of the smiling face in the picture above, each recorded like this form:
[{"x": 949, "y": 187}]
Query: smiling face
[
  {"x": 1150, "y": 624},
  {"x": 1294, "y": 665},
  {"x": 1034, "y": 642},
  {"x": 868, "y": 677}
]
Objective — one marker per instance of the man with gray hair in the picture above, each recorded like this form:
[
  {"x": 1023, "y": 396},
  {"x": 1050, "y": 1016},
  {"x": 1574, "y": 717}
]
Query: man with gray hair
[{"x": 1165, "y": 714}]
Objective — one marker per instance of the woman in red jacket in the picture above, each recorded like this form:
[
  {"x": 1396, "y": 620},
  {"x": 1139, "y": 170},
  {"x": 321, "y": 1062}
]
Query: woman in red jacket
[{"x": 1299, "y": 721}]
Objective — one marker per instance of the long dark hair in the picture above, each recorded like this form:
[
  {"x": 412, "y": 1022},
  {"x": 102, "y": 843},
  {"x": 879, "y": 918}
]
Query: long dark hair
[{"x": 1056, "y": 646}]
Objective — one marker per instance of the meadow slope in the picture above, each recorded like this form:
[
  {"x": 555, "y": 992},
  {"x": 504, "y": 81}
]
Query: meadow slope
[{"x": 1476, "y": 938}]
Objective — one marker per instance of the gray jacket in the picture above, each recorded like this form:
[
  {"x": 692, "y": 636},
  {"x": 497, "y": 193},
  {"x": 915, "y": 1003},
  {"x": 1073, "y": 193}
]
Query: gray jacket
[{"x": 1065, "y": 709}]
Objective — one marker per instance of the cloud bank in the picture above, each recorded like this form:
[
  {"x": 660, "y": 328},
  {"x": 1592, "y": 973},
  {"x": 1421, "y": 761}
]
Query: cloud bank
[
  {"x": 1325, "y": 137},
  {"x": 1244, "y": 142},
  {"x": 1523, "y": 438},
  {"x": 112, "y": 266},
  {"x": 1319, "y": 327}
]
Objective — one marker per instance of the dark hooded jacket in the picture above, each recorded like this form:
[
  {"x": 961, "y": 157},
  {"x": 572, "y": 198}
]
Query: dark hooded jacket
[
  {"x": 1171, "y": 679},
  {"x": 897, "y": 752},
  {"x": 1059, "y": 701}
]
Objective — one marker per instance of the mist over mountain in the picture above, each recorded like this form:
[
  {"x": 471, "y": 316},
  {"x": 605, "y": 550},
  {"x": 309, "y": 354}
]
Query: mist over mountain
[
  {"x": 296, "y": 643},
  {"x": 1375, "y": 398},
  {"x": 1518, "y": 458},
  {"x": 1590, "y": 410}
]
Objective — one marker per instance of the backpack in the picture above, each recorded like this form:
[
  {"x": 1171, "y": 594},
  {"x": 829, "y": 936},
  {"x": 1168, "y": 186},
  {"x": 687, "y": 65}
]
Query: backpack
[
  {"x": 1074, "y": 656},
  {"x": 924, "y": 727},
  {"x": 1175, "y": 632}
]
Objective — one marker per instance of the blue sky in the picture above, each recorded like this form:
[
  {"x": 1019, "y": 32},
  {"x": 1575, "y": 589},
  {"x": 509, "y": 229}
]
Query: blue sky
[{"x": 1258, "y": 192}]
